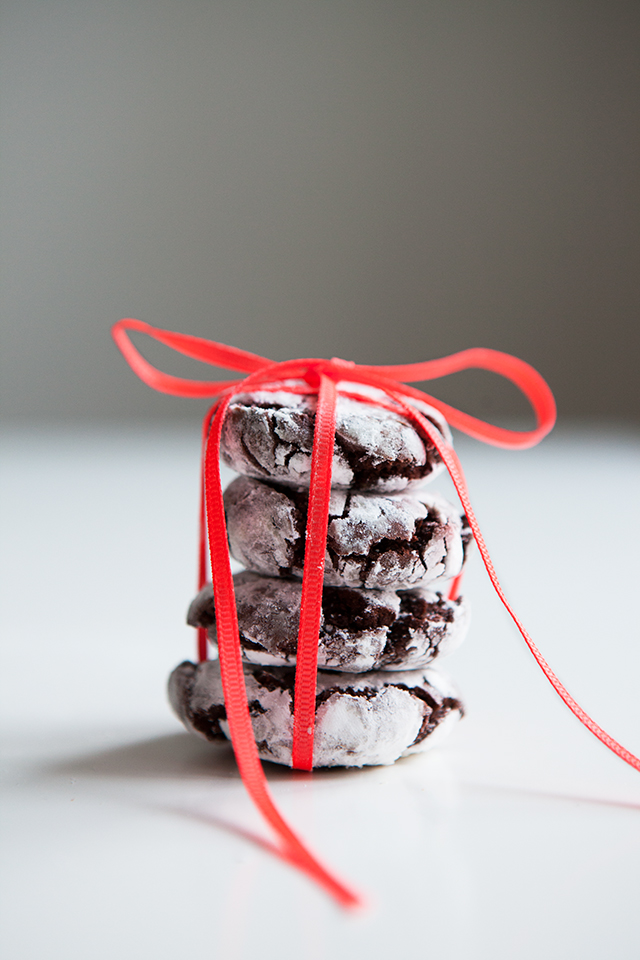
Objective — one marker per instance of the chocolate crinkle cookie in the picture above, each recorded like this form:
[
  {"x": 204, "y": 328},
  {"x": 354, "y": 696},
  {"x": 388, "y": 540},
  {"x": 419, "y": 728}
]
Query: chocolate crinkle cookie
[
  {"x": 360, "y": 720},
  {"x": 360, "y": 630},
  {"x": 269, "y": 435},
  {"x": 397, "y": 540}
]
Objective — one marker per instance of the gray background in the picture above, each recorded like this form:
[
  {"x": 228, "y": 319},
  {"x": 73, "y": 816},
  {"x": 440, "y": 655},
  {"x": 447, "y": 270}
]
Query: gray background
[{"x": 383, "y": 180}]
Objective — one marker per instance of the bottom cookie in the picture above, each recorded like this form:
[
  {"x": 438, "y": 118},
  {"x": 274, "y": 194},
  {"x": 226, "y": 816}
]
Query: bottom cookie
[{"x": 361, "y": 719}]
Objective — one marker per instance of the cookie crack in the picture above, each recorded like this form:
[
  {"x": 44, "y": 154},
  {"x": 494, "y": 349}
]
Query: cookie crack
[
  {"x": 437, "y": 710},
  {"x": 253, "y": 460}
]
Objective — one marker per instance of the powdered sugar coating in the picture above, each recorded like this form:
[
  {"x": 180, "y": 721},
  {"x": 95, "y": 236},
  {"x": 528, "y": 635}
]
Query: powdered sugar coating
[
  {"x": 360, "y": 720},
  {"x": 269, "y": 435},
  {"x": 373, "y": 541},
  {"x": 360, "y": 630}
]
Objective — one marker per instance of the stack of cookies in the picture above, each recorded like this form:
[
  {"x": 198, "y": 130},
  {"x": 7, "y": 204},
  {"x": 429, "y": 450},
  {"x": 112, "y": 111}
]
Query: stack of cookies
[{"x": 393, "y": 549}]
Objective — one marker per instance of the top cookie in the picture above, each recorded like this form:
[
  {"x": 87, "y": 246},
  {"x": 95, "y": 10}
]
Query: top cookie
[{"x": 269, "y": 435}]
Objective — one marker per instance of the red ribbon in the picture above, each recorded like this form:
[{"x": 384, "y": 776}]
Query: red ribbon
[{"x": 322, "y": 378}]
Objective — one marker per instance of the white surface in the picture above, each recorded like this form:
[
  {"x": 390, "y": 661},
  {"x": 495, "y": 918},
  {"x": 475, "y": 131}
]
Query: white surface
[{"x": 123, "y": 836}]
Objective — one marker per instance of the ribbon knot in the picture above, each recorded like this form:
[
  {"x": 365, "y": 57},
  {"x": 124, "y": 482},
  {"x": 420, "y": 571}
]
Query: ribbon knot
[
  {"x": 317, "y": 369},
  {"x": 335, "y": 369},
  {"x": 322, "y": 377},
  {"x": 344, "y": 366}
]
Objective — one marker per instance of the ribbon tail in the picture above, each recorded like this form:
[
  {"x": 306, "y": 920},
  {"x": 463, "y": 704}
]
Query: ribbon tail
[
  {"x": 304, "y": 716},
  {"x": 232, "y": 673},
  {"x": 454, "y": 467}
]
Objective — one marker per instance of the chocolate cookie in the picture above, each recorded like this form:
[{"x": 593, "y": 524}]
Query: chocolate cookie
[
  {"x": 360, "y": 720},
  {"x": 270, "y": 436},
  {"x": 359, "y": 629},
  {"x": 373, "y": 541}
]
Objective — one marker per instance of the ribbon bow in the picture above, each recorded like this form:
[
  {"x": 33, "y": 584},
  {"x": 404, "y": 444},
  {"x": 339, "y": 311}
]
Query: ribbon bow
[{"x": 324, "y": 379}]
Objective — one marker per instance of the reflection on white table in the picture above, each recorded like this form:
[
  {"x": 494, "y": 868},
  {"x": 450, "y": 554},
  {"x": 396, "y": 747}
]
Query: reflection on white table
[{"x": 126, "y": 837}]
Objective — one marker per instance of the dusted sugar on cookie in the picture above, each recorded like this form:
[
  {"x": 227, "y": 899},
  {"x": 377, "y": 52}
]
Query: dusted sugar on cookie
[
  {"x": 361, "y": 720},
  {"x": 269, "y": 435},
  {"x": 373, "y": 541},
  {"x": 360, "y": 630}
]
